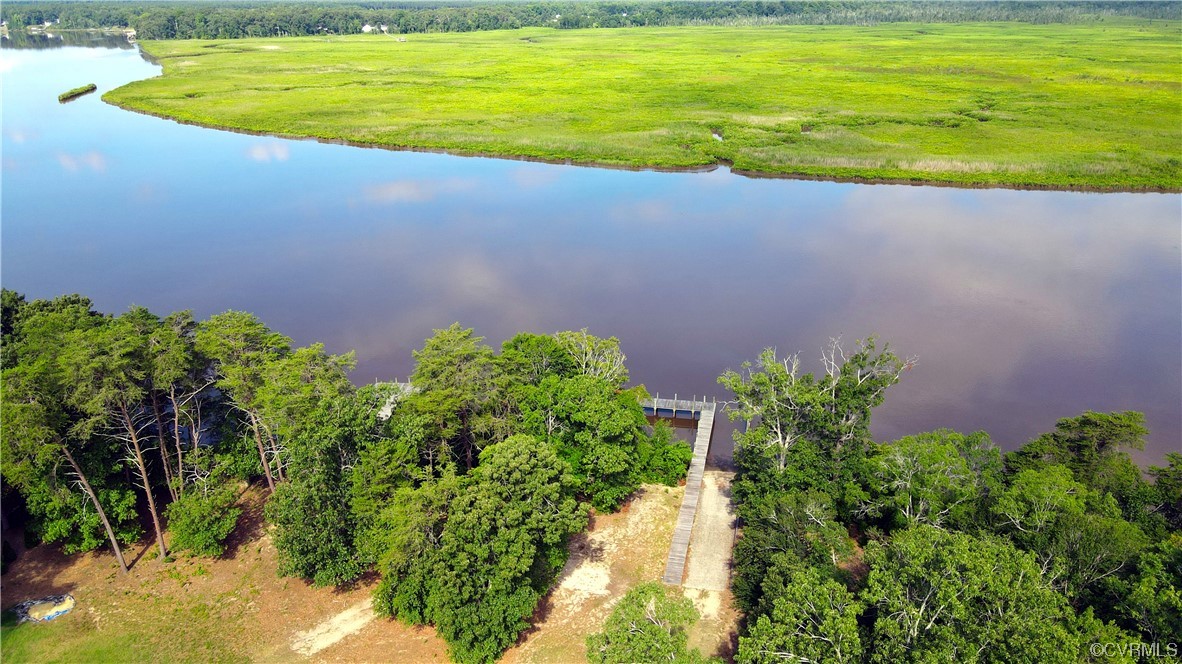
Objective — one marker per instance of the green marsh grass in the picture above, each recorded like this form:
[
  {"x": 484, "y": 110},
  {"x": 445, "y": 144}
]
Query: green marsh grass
[{"x": 1094, "y": 105}]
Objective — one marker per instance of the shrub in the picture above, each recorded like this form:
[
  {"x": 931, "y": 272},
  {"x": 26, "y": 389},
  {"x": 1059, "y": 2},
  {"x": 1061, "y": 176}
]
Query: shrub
[
  {"x": 663, "y": 458},
  {"x": 648, "y": 625},
  {"x": 200, "y": 521}
]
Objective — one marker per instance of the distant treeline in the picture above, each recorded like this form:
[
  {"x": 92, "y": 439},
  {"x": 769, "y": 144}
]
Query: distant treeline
[{"x": 226, "y": 20}]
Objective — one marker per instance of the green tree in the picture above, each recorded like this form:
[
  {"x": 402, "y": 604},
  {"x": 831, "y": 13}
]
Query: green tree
[
  {"x": 73, "y": 503},
  {"x": 177, "y": 371},
  {"x": 105, "y": 370},
  {"x": 809, "y": 432},
  {"x": 408, "y": 534},
  {"x": 148, "y": 327},
  {"x": 12, "y": 304},
  {"x": 812, "y": 619},
  {"x": 457, "y": 378},
  {"x": 596, "y": 428},
  {"x": 40, "y": 331},
  {"x": 649, "y": 624},
  {"x": 1077, "y": 535},
  {"x": 1092, "y": 446},
  {"x": 1167, "y": 482},
  {"x": 1082, "y": 443},
  {"x": 528, "y": 358},
  {"x": 296, "y": 383},
  {"x": 504, "y": 541},
  {"x": 1084, "y": 550},
  {"x": 1152, "y": 597},
  {"x": 595, "y": 357},
  {"x": 387, "y": 464},
  {"x": 947, "y": 596},
  {"x": 925, "y": 479},
  {"x": 800, "y": 525},
  {"x": 984, "y": 462},
  {"x": 662, "y": 458},
  {"x": 68, "y": 505},
  {"x": 315, "y": 525},
  {"x": 1093, "y": 630},
  {"x": 1036, "y": 498},
  {"x": 241, "y": 346}
]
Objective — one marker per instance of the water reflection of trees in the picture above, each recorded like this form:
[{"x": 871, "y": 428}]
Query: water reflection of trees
[{"x": 22, "y": 40}]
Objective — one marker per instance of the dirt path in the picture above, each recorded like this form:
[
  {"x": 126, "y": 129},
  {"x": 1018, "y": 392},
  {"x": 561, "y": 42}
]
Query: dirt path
[
  {"x": 708, "y": 568},
  {"x": 709, "y": 564},
  {"x": 327, "y": 633}
]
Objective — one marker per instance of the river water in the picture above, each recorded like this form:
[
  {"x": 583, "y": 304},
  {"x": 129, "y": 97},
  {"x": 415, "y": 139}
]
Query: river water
[{"x": 1022, "y": 306}]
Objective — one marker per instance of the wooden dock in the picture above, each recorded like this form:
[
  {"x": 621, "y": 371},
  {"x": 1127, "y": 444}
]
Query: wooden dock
[
  {"x": 677, "y": 409},
  {"x": 703, "y": 412}
]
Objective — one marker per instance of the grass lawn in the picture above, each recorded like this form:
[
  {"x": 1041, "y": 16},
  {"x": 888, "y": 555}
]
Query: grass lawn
[
  {"x": 1093, "y": 105},
  {"x": 230, "y": 609}
]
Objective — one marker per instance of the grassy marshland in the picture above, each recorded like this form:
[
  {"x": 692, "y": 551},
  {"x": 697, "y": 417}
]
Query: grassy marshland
[
  {"x": 1090, "y": 105},
  {"x": 69, "y": 95}
]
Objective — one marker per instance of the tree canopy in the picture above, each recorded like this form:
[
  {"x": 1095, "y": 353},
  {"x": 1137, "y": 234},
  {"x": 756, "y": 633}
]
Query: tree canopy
[
  {"x": 649, "y": 624},
  {"x": 462, "y": 488},
  {"x": 935, "y": 547}
]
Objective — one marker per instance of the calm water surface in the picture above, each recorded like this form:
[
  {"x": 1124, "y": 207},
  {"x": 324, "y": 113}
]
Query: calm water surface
[{"x": 1023, "y": 307}]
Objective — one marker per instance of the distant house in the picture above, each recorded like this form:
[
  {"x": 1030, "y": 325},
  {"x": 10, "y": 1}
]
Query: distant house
[
  {"x": 384, "y": 28},
  {"x": 367, "y": 28}
]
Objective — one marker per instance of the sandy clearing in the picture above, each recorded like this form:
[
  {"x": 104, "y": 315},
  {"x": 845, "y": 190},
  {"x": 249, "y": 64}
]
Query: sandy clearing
[
  {"x": 584, "y": 581},
  {"x": 707, "y": 602},
  {"x": 716, "y": 633},
  {"x": 709, "y": 564},
  {"x": 620, "y": 551},
  {"x": 347, "y": 622}
]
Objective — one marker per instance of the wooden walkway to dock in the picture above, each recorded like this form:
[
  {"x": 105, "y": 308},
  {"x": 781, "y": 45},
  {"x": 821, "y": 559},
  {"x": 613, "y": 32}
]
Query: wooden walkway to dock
[{"x": 703, "y": 412}]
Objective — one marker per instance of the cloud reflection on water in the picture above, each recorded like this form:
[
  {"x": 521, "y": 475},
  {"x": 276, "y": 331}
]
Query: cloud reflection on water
[
  {"x": 268, "y": 151},
  {"x": 72, "y": 163},
  {"x": 416, "y": 191}
]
